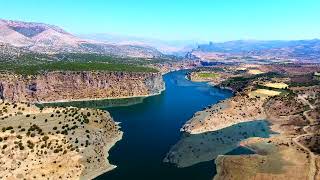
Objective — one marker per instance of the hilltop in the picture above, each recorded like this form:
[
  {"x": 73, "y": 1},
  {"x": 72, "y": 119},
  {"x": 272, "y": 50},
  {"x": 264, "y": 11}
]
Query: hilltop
[{"x": 18, "y": 37}]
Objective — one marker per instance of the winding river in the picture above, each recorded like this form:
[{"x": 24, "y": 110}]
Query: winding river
[{"x": 153, "y": 148}]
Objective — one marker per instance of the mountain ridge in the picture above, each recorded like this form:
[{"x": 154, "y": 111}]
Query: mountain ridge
[
  {"x": 172, "y": 47},
  {"x": 295, "y": 49},
  {"x": 51, "y": 39}
]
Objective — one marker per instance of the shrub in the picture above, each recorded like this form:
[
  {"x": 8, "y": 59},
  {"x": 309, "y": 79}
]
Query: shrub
[
  {"x": 45, "y": 138},
  {"x": 86, "y": 121}
]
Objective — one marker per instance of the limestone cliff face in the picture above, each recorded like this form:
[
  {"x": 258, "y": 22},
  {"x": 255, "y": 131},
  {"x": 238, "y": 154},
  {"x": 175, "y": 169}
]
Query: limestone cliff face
[
  {"x": 66, "y": 86},
  {"x": 154, "y": 83}
]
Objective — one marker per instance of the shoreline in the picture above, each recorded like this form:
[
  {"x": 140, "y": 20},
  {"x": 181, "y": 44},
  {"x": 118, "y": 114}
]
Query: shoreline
[
  {"x": 81, "y": 150},
  {"x": 70, "y": 86},
  {"x": 224, "y": 114},
  {"x": 288, "y": 143},
  {"x": 115, "y": 98},
  {"x": 211, "y": 83},
  {"x": 98, "y": 172},
  {"x": 98, "y": 99}
]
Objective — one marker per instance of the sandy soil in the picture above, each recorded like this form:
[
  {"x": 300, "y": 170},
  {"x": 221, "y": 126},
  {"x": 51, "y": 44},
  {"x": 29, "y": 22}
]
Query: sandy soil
[
  {"x": 255, "y": 71},
  {"x": 275, "y": 158},
  {"x": 263, "y": 93},
  {"x": 276, "y": 85},
  {"x": 226, "y": 113}
]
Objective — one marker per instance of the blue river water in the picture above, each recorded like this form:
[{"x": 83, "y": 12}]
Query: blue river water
[{"x": 151, "y": 128}]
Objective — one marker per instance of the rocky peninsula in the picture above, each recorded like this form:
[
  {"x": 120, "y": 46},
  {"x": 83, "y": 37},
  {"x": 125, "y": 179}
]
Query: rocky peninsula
[
  {"x": 292, "y": 110},
  {"x": 57, "y": 143}
]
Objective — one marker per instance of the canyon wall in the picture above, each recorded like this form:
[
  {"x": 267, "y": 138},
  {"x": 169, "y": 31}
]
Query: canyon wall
[{"x": 72, "y": 86}]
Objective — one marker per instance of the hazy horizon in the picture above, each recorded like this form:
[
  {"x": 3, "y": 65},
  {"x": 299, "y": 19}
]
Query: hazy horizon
[{"x": 204, "y": 20}]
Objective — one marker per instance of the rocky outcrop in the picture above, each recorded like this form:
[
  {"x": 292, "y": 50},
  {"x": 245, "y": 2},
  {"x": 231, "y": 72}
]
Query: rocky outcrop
[
  {"x": 1, "y": 91},
  {"x": 72, "y": 86},
  {"x": 154, "y": 83}
]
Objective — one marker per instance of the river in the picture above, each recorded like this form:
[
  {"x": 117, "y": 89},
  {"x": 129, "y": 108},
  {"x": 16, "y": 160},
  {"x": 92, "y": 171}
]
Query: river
[{"x": 151, "y": 129}]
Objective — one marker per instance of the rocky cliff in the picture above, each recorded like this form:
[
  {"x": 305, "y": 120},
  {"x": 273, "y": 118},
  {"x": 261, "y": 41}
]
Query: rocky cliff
[{"x": 72, "y": 86}]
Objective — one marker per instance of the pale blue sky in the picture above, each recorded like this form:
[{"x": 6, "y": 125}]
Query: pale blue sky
[{"x": 216, "y": 20}]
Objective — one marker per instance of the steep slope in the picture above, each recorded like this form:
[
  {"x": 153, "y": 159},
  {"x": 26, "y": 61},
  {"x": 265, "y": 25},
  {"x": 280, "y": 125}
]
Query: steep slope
[
  {"x": 75, "y": 86},
  {"x": 44, "y": 38},
  {"x": 51, "y": 40},
  {"x": 10, "y": 36}
]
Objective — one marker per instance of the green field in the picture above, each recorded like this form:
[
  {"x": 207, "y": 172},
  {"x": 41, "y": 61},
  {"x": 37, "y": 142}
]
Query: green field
[
  {"x": 34, "y": 69},
  {"x": 207, "y": 75}
]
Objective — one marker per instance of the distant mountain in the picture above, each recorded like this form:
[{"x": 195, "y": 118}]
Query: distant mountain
[
  {"x": 44, "y": 38},
  {"x": 298, "y": 49},
  {"x": 251, "y": 45},
  {"x": 174, "y": 47}
]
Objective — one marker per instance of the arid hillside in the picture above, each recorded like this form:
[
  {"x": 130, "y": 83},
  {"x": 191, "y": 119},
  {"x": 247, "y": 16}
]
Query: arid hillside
[{"x": 45, "y": 38}]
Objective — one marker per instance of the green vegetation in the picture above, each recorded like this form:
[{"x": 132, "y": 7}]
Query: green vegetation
[
  {"x": 39, "y": 58},
  {"x": 81, "y": 57},
  {"x": 34, "y": 63},
  {"x": 73, "y": 66},
  {"x": 239, "y": 83},
  {"x": 207, "y": 75},
  {"x": 304, "y": 80},
  {"x": 304, "y": 84}
]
